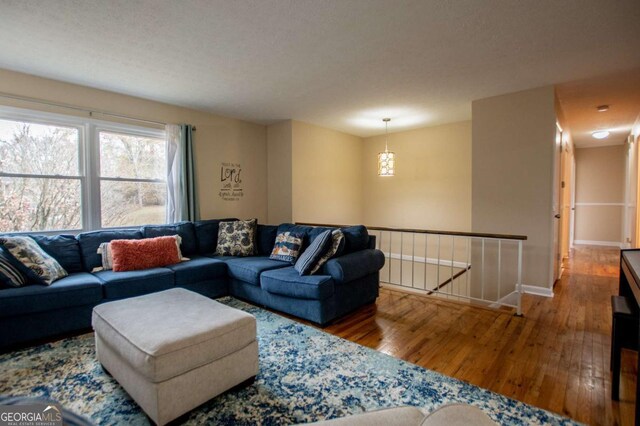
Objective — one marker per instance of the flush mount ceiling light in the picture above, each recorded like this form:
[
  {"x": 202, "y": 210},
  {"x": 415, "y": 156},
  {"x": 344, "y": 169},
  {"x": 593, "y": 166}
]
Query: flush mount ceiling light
[
  {"x": 386, "y": 159},
  {"x": 600, "y": 134},
  {"x": 602, "y": 108}
]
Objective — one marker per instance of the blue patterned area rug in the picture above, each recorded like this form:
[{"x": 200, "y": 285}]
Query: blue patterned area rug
[{"x": 305, "y": 375}]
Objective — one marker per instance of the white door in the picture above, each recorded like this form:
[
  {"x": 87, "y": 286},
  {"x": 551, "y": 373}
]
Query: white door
[{"x": 557, "y": 202}]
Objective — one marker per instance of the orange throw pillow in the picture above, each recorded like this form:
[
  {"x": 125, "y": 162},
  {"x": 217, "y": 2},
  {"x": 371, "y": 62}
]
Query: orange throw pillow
[{"x": 133, "y": 255}]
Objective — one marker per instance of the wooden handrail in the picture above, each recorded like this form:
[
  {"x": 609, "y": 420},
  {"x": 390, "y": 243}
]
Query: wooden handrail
[{"x": 427, "y": 231}]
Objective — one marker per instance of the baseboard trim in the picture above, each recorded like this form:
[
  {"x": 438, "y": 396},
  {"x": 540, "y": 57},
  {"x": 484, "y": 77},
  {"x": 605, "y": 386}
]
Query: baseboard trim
[
  {"x": 537, "y": 291},
  {"x": 617, "y": 244},
  {"x": 598, "y": 204}
]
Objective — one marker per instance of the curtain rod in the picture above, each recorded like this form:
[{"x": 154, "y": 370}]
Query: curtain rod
[{"x": 77, "y": 108}]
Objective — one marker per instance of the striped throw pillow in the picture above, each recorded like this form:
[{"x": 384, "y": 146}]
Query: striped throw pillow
[
  {"x": 9, "y": 274},
  {"x": 313, "y": 253},
  {"x": 104, "y": 250},
  {"x": 337, "y": 241}
]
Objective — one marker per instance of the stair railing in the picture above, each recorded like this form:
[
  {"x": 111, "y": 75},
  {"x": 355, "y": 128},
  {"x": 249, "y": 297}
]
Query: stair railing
[{"x": 479, "y": 268}]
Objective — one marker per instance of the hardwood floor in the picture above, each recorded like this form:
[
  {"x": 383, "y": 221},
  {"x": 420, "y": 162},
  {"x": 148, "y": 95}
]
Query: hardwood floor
[{"x": 555, "y": 357}]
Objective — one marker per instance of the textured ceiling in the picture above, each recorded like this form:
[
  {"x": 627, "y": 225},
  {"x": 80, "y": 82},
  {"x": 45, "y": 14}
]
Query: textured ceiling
[
  {"x": 343, "y": 64},
  {"x": 579, "y": 100}
]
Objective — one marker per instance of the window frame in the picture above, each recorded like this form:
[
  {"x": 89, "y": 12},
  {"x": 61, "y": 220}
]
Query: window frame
[
  {"x": 88, "y": 158},
  {"x": 126, "y": 130}
]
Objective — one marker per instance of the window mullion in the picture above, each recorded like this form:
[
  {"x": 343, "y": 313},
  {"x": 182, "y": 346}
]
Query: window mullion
[
  {"x": 93, "y": 177},
  {"x": 84, "y": 168}
]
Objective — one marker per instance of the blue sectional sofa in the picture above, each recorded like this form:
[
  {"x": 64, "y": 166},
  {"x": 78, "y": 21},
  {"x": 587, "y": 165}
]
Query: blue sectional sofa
[{"x": 343, "y": 284}]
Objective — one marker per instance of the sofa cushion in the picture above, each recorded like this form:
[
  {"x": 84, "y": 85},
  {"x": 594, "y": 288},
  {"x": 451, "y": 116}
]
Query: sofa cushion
[
  {"x": 288, "y": 282},
  {"x": 198, "y": 269},
  {"x": 40, "y": 267},
  {"x": 298, "y": 229},
  {"x": 356, "y": 238},
  {"x": 64, "y": 248},
  {"x": 248, "y": 269},
  {"x": 118, "y": 285},
  {"x": 90, "y": 241},
  {"x": 207, "y": 234},
  {"x": 315, "y": 231},
  {"x": 266, "y": 238},
  {"x": 186, "y": 230},
  {"x": 76, "y": 289}
]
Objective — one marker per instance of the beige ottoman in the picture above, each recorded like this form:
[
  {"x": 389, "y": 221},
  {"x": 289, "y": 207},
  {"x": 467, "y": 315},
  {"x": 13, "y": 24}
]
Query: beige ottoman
[{"x": 174, "y": 350}]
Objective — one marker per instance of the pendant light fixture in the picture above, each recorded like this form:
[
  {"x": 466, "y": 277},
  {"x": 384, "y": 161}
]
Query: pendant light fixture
[{"x": 386, "y": 159}]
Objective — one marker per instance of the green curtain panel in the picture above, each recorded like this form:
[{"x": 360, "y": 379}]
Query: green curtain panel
[{"x": 190, "y": 207}]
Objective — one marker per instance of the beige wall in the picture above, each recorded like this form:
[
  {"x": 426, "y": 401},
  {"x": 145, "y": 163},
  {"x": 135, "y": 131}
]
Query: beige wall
[
  {"x": 432, "y": 185},
  {"x": 217, "y": 139},
  {"x": 279, "y": 172},
  {"x": 512, "y": 173},
  {"x": 326, "y": 175},
  {"x": 600, "y": 182}
]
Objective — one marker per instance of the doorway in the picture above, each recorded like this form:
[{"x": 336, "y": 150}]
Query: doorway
[{"x": 563, "y": 200}]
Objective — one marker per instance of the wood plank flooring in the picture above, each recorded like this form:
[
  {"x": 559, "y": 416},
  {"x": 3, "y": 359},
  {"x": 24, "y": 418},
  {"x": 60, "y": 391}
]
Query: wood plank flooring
[{"x": 555, "y": 357}]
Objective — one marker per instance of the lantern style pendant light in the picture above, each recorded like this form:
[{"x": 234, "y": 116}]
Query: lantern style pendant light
[{"x": 386, "y": 159}]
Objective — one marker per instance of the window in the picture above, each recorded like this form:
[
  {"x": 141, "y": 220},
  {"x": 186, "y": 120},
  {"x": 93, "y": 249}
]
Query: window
[
  {"x": 65, "y": 173},
  {"x": 133, "y": 188},
  {"x": 40, "y": 179}
]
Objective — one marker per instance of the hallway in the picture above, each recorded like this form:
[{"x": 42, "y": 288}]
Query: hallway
[{"x": 556, "y": 357}]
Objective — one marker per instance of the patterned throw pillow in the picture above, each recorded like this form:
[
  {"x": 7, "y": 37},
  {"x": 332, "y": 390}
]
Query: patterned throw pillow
[
  {"x": 104, "y": 250},
  {"x": 287, "y": 247},
  {"x": 10, "y": 275},
  {"x": 313, "y": 253},
  {"x": 43, "y": 268},
  {"x": 337, "y": 240},
  {"x": 237, "y": 238}
]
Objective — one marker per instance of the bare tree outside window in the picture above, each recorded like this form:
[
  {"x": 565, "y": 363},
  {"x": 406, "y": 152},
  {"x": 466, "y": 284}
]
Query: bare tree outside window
[
  {"x": 133, "y": 187},
  {"x": 40, "y": 183},
  {"x": 41, "y": 178}
]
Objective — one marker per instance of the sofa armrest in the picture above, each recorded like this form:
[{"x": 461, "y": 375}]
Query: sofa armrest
[{"x": 355, "y": 265}]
